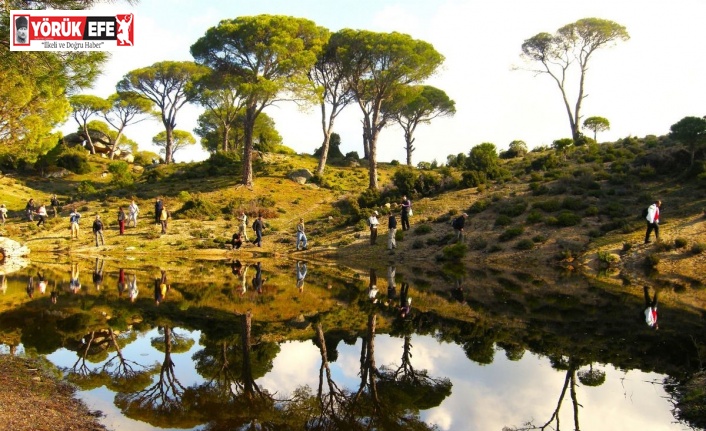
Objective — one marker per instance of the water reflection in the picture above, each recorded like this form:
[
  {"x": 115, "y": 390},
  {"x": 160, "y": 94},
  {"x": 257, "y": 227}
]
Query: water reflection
[{"x": 210, "y": 352}]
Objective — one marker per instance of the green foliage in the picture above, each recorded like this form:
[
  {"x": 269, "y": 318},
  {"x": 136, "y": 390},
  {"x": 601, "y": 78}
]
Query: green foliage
[
  {"x": 478, "y": 243},
  {"x": 369, "y": 198},
  {"x": 85, "y": 189},
  {"x": 534, "y": 217},
  {"x": 511, "y": 233},
  {"x": 74, "y": 159},
  {"x": 479, "y": 206},
  {"x": 422, "y": 229},
  {"x": 198, "y": 209},
  {"x": 473, "y": 178},
  {"x": 549, "y": 206},
  {"x": 404, "y": 179},
  {"x": 568, "y": 218},
  {"x": 525, "y": 244},
  {"x": 145, "y": 158},
  {"x": 698, "y": 248},
  {"x": 652, "y": 260},
  {"x": 503, "y": 220},
  {"x": 680, "y": 242},
  {"x": 122, "y": 177},
  {"x": 513, "y": 208},
  {"x": 454, "y": 252}
]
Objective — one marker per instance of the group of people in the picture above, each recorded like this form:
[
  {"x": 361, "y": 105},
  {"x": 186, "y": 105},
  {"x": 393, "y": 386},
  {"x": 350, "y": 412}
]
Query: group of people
[
  {"x": 373, "y": 222},
  {"x": 33, "y": 210},
  {"x": 258, "y": 226}
]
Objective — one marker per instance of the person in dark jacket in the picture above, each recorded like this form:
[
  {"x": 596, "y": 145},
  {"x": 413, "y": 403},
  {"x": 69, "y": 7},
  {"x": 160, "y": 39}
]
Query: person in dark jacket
[
  {"x": 458, "y": 224},
  {"x": 158, "y": 207},
  {"x": 391, "y": 231},
  {"x": 98, "y": 230}
]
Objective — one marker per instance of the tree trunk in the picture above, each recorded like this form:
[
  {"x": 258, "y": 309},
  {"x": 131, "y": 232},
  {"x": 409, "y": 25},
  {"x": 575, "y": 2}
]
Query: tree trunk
[
  {"x": 247, "y": 147},
  {"x": 367, "y": 136},
  {"x": 168, "y": 146},
  {"x": 226, "y": 133},
  {"x": 92, "y": 149},
  {"x": 327, "y": 140},
  {"x": 115, "y": 144},
  {"x": 372, "y": 161},
  {"x": 409, "y": 147}
]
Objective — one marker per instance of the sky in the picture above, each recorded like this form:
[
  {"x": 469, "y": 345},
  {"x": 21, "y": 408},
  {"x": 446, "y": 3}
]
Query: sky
[{"x": 642, "y": 86}]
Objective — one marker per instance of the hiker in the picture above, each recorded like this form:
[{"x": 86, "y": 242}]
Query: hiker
[
  {"x": 301, "y": 235},
  {"x": 163, "y": 217},
  {"x": 121, "y": 220},
  {"x": 236, "y": 241},
  {"x": 406, "y": 212},
  {"x": 391, "y": 231},
  {"x": 30, "y": 209},
  {"x": 3, "y": 214},
  {"x": 458, "y": 225},
  {"x": 54, "y": 204},
  {"x": 258, "y": 226},
  {"x": 373, "y": 223},
  {"x": 98, "y": 229},
  {"x": 42, "y": 214},
  {"x": 158, "y": 207},
  {"x": 133, "y": 211},
  {"x": 653, "y": 221},
  {"x": 74, "y": 217},
  {"x": 243, "y": 228}
]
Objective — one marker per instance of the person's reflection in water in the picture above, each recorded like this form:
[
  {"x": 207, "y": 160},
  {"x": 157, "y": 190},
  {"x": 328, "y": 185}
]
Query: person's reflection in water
[
  {"x": 160, "y": 288},
  {"x": 41, "y": 283},
  {"x": 651, "y": 309},
  {"x": 257, "y": 280},
  {"x": 458, "y": 293},
  {"x": 30, "y": 287},
  {"x": 132, "y": 287},
  {"x": 301, "y": 273},
  {"x": 3, "y": 284},
  {"x": 391, "y": 286},
  {"x": 98, "y": 274},
  {"x": 373, "y": 286},
  {"x": 405, "y": 300},
  {"x": 121, "y": 282},
  {"x": 241, "y": 272},
  {"x": 54, "y": 293},
  {"x": 74, "y": 283}
]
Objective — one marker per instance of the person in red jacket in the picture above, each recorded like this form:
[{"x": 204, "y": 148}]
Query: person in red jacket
[
  {"x": 653, "y": 221},
  {"x": 651, "y": 309}
]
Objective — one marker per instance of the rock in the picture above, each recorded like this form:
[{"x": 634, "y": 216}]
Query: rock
[
  {"x": 12, "y": 256},
  {"x": 300, "y": 176},
  {"x": 138, "y": 169},
  {"x": 61, "y": 173}
]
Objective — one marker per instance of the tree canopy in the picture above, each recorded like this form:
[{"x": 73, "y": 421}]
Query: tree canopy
[
  {"x": 596, "y": 124},
  {"x": 267, "y": 56},
  {"x": 573, "y": 44}
]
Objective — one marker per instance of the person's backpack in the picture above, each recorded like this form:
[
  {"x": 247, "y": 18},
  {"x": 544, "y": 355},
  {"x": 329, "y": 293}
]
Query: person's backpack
[
  {"x": 456, "y": 223},
  {"x": 645, "y": 212}
]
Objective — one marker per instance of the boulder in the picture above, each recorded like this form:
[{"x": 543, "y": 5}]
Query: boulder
[
  {"x": 300, "y": 176},
  {"x": 61, "y": 173},
  {"x": 12, "y": 256}
]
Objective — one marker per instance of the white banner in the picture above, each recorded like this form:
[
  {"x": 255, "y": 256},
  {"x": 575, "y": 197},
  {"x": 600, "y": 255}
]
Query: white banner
[{"x": 70, "y": 30}]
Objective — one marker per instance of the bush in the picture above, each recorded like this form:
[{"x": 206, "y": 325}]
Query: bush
[
  {"x": 511, "y": 233},
  {"x": 122, "y": 177},
  {"x": 698, "y": 248},
  {"x": 198, "y": 209},
  {"x": 478, "y": 243},
  {"x": 525, "y": 244},
  {"x": 680, "y": 243},
  {"x": 399, "y": 235},
  {"x": 568, "y": 218},
  {"x": 85, "y": 189},
  {"x": 534, "y": 217},
  {"x": 479, "y": 206},
  {"x": 422, "y": 229},
  {"x": 369, "y": 198},
  {"x": 503, "y": 220},
  {"x": 454, "y": 252},
  {"x": 418, "y": 244},
  {"x": 74, "y": 159}
]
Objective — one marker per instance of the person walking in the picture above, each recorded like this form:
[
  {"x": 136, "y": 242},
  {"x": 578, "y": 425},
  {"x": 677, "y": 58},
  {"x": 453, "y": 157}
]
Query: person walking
[
  {"x": 373, "y": 223},
  {"x": 133, "y": 211},
  {"x": 158, "y": 207},
  {"x": 54, "y": 204},
  {"x": 243, "y": 228},
  {"x": 406, "y": 210},
  {"x": 121, "y": 220},
  {"x": 458, "y": 224},
  {"x": 74, "y": 217},
  {"x": 30, "y": 209},
  {"x": 42, "y": 214},
  {"x": 391, "y": 231},
  {"x": 301, "y": 235},
  {"x": 3, "y": 214},
  {"x": 98, "y": 229},
  {"x": 163, "y": 218},
  {"x": 653, "y": 221},
  {"x": 258, "y": 227}
]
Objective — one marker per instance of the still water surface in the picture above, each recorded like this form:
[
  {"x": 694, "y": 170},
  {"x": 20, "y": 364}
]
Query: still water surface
[{"x": 456, "y": 361}]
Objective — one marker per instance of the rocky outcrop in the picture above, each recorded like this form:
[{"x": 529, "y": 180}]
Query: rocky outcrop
[
  {"x": 12, "y": 256},
  {"x": 300, "y": 176}
]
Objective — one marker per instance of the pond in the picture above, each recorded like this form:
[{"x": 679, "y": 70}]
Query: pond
[{"x": 282, "y": 344}]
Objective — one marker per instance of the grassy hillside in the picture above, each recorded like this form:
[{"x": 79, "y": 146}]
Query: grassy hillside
[{"x": 580, "y": 209}]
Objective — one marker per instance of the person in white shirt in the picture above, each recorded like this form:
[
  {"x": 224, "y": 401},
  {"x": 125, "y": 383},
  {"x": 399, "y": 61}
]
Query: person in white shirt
[
  {"x": 653, "y": 221},
  {"x": 373, "y": 223},
  {"x": 243, "y": 229},
  {"x": 133, "y": 211}
]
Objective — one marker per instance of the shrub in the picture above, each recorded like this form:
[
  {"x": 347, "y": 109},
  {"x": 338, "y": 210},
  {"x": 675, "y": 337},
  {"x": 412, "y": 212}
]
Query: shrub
[
  {"x": 652, "y": 260},
  {"x": 422, "y": 229},
  {"x": 122, "y": 177},
  {"x": 454, "y": 252},
  {"x": 479, "y": 206},
  {"x": 525, "y": 244},
  {"x": 568, "y": 218},
  {"x": 539, "y": 238},
  {"x": 698, "y": 248},
  {"x": 74, "y": 159},
  {"x": 513, "y": 209},
  {"x": 85, "y": 189},
  {"x": 399, "y": 235},
  {"x": 198, "y": 209},
  {"x": 511, "y": 233},
  {"x": 534, "y": 217},
  {"x": 404, "y": 179},
  {"x": 549, "y": 206},
  {"x": 418, "y": 244},
  {"x": 369, "y": 198},
  {"x": 680, "y": 242},
  {"x": 478, "y": 243},
  {"x": 627, "y": 246},
  {"x": 184, "y": 196},
  {"x": 503, "y": 220}
]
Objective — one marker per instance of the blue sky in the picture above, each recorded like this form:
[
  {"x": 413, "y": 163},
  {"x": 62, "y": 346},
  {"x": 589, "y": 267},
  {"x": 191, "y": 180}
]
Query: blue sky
[{"x": 642, "y": 86}]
